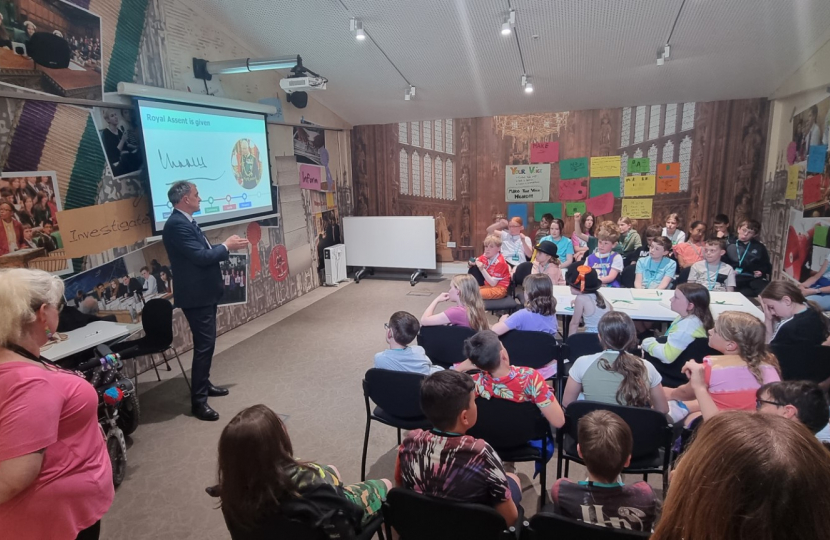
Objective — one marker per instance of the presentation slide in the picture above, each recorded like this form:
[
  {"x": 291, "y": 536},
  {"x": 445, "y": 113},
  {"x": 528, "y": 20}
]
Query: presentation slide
[{"x": 224, "y": 153}]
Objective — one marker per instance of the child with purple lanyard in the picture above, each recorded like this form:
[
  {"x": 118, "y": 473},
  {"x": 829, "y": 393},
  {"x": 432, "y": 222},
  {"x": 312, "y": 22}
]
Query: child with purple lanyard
[{"x": 606, "y": 262}]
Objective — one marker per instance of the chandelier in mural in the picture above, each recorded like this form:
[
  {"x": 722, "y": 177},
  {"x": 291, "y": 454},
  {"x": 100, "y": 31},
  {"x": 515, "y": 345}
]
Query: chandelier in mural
[{"x": 530, "y": 126}]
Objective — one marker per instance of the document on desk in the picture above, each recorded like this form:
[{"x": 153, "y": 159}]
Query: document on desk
[
  {"x": 645, "y": 294},
  {"x": 632, "y": 305}
]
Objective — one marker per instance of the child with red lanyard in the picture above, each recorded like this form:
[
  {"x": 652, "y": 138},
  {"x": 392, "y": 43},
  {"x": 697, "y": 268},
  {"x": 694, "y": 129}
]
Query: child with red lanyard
[{"x": 492, "y": 271}]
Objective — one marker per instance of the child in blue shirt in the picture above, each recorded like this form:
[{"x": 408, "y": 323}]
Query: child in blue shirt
[
  {"x": 401, "y": 331},
  {"x": 657, "y": 270}
]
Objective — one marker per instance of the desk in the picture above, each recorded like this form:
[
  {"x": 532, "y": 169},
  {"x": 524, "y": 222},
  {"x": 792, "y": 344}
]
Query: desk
[
  {"x": 654, "y": 310},
  {"x": 87, "y": 337},
  {"x": 22, "y": 257}
]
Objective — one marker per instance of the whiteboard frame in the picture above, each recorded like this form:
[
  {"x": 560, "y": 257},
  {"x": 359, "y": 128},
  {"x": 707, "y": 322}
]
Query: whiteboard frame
[{"x": 406, "y": 242}]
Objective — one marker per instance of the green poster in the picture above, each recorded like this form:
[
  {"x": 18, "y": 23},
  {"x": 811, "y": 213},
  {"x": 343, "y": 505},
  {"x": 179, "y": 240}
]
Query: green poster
[{"x": 605, "y": 185}]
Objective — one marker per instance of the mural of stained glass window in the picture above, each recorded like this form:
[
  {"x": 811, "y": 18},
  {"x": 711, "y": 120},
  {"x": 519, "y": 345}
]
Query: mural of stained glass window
[
  {"x": 416, "y": 169},
  {"x": 640, "y": 124},
  {"x": 670, "y": 124},
  {"x": 450, "y": 183},
  {"x": 623, "y": 171},
  {"x": 402, "y": 133},
  {"x": 685, "y": 162},
  {"x": 439, "y": 185},
  {"x": 654, "y": 122},
  {"x": 439, "y": 136},
  {"x": 638, "y": 153},
  {"x": 652, "y": 159},
  {"x": 668, "y": 152},
  {"x": 688, "y": 121},
  {"x": 439, "y": 171},
  {"x": 404, "y": 172},
  {"x": 427, "y": 134},
  {"x": 625, "y": 132},
  {"x": 428, "y": 177},
  {"x": 415, "y": 140},
  {"x": 448, "y": 139}
]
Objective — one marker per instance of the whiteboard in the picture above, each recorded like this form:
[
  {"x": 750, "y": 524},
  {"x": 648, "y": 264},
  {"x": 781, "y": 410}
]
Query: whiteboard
[{"x": 390, "y": 242}]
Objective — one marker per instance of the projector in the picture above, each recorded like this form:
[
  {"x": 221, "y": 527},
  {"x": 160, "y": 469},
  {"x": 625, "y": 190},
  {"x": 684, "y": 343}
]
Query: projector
[{"x": 302, "y": 84}]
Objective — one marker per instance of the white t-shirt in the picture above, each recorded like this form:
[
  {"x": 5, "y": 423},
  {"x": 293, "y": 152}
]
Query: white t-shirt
[
  {"x": 677, "y": 238},
  {"x": 511, "y": 248}
]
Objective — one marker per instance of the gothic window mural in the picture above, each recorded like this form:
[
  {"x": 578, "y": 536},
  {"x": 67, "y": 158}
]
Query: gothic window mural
[
  {"x": 640, "y": 124},
  {"x": 439, "y": 174},
  {"x": 668, "y": 152},
  {"x": 402, "y": 133},
  {"x": 415, "y": 128},
  {"x": 439, "y": 184},
  {"x": 623, "y": 170},
  {"x": 449, "y": 181},
  {"x": 404, "y": 172},
  {"x": 625, "y": 131},
  {"x": 652, "y": 159},
  {"x": 654, "y": 123},
  {"x": 427, "y": 176},
  {"x": 688, "y": 117},
  {"x": 685, "y": 159},
  {"x": 416, "y": 168},
  {"x": 448, "y": 139},
  {"x": 670, "y": 127},
  {"x": 439, "y": 136},
  {"x": 427, "y": 134}
]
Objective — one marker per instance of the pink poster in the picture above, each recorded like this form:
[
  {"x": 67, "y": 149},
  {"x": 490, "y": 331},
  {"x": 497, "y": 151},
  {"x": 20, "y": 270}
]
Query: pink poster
[
  {"x": 311, "y": 177},
  {"x": 573, "y": 190},
  {"x": 601, "y": 204},
  {"x": 544, "y": 152}
]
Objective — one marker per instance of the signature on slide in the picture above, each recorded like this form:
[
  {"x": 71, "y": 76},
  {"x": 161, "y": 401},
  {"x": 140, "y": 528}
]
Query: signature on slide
[{"x": 191, "y": 162}]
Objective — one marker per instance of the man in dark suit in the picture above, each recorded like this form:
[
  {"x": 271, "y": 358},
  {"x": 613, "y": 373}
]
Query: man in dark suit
[{"x": 199, "y": 286}]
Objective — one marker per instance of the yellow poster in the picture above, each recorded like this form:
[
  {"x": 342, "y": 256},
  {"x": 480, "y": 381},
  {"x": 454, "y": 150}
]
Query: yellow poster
[
  {"x": 792, "y": 182},
  {"x": 639, "y": 186},
  {"x": 329, "y": 200},
  {"x": 637, "y": 208},
  {"x": 606, "y": 166}
]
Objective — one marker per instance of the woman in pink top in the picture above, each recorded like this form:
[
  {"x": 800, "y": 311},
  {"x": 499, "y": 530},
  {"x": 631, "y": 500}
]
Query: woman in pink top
[
  {"x": 55, "y": 473},
  {"x": 468, "y": 309},
  {"x": 729, "y": 382}
]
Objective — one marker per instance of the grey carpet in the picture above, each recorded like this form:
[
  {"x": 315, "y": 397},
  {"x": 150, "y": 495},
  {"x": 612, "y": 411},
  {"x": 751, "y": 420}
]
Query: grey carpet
[{"x": 308, "y": 367}]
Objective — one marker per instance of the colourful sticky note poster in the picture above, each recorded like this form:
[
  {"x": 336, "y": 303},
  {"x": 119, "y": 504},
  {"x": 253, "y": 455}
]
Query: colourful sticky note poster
[
  {"x": 311, "y": 177},
  {"x": 572, "y": 208},
  {"x": 639, "y": 186},
  {"x": 820, "y": 235},
  {"x": 638, "y": 165},
  {"x": 517, "y": 210},
  {"x": 544, "y": 152},
  {"x": 817, "y": 159},
  {"x": 553, "y": 208},
  {"x": 572, "y": 190},
  {"x": 602, "y": 204},
  {"x": 637, "y": 208},
  {"x": 812, "y": 189},
  {"x": 605, "y": 166},
  {"x": 792, "y": 182},
  {"x": 573, "y": 168},
  {"x": 605, "y": 185}
]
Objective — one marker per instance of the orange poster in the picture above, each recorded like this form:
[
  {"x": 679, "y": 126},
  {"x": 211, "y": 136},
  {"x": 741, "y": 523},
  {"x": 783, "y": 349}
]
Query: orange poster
[{"x": 668, "y": 178}]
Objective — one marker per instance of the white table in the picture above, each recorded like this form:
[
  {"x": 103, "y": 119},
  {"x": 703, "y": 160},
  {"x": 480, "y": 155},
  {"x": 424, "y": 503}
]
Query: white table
[
  {"x": 654, "y": 310},
  {"x": 87, "y": 337}
]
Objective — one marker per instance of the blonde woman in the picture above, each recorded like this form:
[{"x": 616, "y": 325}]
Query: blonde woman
[
  {"x": 55, "y": 472},
  {"x": 468, "y": 309}
]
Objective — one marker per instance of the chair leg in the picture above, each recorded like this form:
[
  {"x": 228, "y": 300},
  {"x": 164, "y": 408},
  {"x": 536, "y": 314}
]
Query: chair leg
[
  {"x": 182, "y": 368},
  {"x": 567, "y": 466},
  {"x": 167, "y": 363},
  {"x": 153, "y": 360},
  {"x": 380, "y": 534},
  {"x": 665, "y": 482},
  {"x": 543, "y": 474},
  {"x": 399, "y": 436},
  {"x": 365, "y": 449}
]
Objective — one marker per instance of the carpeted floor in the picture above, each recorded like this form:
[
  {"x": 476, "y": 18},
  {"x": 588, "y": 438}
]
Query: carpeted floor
[{"x": 307, "y": 367}]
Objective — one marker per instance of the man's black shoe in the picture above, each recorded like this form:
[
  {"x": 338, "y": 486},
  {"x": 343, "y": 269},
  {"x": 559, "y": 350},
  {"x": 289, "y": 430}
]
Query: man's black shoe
[
  {"x": 204, "y": 412},
  {"x": 217, "y": 391}
]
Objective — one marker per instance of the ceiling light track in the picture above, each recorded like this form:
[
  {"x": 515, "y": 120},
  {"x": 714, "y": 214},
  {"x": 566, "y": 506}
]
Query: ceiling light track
[
  {"x": 510, "y": 23},
  {"x": 664, "y": 52}
]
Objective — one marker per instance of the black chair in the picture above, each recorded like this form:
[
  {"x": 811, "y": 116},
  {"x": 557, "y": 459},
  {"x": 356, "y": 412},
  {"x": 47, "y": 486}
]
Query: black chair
[
  {"x": 508, "y": 304},
  {"x": 628, "y": 275},
  {"x": 548, "y": 526},
  {"x": 651, "y": 431},
  {"x": 522, "y": 271},
  {"x": 420, "y": 517},
  {"x": 803, "y": 365},
  {"x": 529, "y": 348},
  {"x": 157, "y": 322},
  {"x": 682, "y": 276},
  {"x": 672, "y": 374},
  {"x": 397, "y": 395},
  {"x": 580, "y": 344},
  {"x": 444, "y": 345},
  {"x": 509, "y": 427}
]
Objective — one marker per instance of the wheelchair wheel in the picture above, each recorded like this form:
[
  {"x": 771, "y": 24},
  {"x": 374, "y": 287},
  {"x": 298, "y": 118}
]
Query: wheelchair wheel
[
  {"x": 117, "y": 449},
  {"x": 129, "y": 414}
]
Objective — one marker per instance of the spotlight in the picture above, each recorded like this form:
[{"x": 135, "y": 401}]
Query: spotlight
[
  {"x": 356, "y": 26},
  {"x": 410, "y": 93},
  {"x": 509, "y": 24},
  {"x": 505, "y": 28},
  {"x": 663, "y": 54},
  {"x": 527, "y": 85},
  {"x": 529, "y": 88}
]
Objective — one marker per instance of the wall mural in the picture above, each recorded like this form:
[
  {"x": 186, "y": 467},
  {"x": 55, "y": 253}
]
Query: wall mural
[{"x": 454, "y": 169}]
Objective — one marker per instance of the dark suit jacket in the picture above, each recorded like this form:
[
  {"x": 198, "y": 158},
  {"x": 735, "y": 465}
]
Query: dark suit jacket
[{"x": 195, "y": 267}]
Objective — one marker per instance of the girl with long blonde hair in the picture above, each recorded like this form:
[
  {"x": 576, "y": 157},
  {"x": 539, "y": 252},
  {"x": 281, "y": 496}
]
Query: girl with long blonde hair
[{"x": 469, "y": 308}]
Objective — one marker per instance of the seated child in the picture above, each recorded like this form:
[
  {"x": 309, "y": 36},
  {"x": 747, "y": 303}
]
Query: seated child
[
  {"x": 548, "y": 263},
  {"x": 722, "y": 230},
  {"x": 657, "y": 270},
  {"x": 468, "y": 308},
  {"x": 750, "y": 259},
  {"x": 605, "y": 444},
  {"x": 583, "y": 235},
  {"x": 444, "y": 462},
  {"x": 691, "y": 251},
  {"x": 791, "y": 320},
  {"x": 604, "y": 260},
  {"x": 816, "y": 287},
  {"x": 630, "y": 240},
  {"x": 802, "y": 401},
  {"x": 671, "y": 231},
  {"x": 515, "y": 246},
  {"x": 499, "y": 380},
  {"x": 544, "y": 227},
  {"x": 492, "y": 271},
  {"x": 651, "y": 232},
  {"x": 589, "y": 305},
  {"x": 711, "y": 272},
  {"x": 564, "y": 245},
  {"x": 401, "y": 331}
]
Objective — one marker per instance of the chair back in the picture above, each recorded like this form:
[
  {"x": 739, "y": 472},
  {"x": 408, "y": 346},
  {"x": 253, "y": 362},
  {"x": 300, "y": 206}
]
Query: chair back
[
  {"x": 672, "y": 373},
  {"x": 415, "y": 517},
  {"x": 628, "y": 275},
  {"x": 444, "y": 345},
  {"x": 522, "y": 271},
  {"x": 650, "y": 428},
  {"x": 545, "y": 526},
  {"x": 803, "y": 365},
  {"x": 582, "y": 344},
  {"x": 530, "y": 348},
  {"x": 506, "y": 424},
  {"x": 157, "y": 321},
  {"x": 396, "y": 392}
]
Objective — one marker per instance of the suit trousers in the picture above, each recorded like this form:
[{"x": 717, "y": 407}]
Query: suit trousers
[{"x": 202, "y": 321}]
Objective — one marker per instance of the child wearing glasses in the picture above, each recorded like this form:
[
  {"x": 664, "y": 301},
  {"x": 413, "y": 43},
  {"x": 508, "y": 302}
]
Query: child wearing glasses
[{"x": 401, "y": 331}]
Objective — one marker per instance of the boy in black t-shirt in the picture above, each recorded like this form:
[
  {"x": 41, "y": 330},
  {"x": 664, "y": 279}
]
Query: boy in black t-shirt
[
  {"x": 605, "y": 444},
  {"x": 750, "y": 259}
]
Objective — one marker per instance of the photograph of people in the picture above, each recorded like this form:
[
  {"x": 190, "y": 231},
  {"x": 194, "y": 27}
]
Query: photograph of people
[
  {"x": 247, "y": 167},
  {"x": 119, "y": 139}
]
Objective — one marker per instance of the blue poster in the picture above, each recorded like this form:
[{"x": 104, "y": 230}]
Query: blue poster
[
  {"x": 517, "y": 210},
  {"x": 816, "y": 159}
]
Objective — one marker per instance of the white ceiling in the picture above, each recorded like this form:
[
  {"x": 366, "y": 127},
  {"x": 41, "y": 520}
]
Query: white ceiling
[{"x": 588, "y": 54}]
